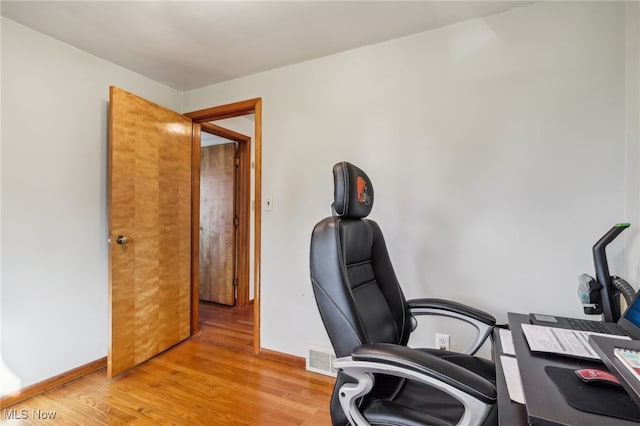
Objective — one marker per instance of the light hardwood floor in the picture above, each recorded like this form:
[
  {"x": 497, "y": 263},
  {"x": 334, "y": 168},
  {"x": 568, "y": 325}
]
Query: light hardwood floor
[{"x": 210, "y": 379}]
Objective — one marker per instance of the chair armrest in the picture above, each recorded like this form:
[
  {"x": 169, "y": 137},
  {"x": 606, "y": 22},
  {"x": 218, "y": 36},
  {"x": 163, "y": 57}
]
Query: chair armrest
[
  {"x": 474, "y": 392},
  {"x": 429, "y": 365},
  {"x": 453, "y": 307},
  {"x": 482, "y": 321}
]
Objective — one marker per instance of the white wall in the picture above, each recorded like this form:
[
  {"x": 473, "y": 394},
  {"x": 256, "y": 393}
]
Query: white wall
[
  {"x": 54, "y": 308},
  {"x": 632, "y": 127},
  {"x": 496, "y": 148}
]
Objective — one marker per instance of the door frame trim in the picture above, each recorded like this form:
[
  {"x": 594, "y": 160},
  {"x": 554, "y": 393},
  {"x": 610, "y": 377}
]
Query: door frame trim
[{"x": 236, "y": 109}]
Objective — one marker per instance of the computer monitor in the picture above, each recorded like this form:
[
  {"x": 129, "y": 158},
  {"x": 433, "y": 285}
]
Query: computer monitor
[{"x": 632, "y": 314}]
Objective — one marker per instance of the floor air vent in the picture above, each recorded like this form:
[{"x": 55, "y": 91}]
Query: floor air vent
[{"x": 320, "y": 360}]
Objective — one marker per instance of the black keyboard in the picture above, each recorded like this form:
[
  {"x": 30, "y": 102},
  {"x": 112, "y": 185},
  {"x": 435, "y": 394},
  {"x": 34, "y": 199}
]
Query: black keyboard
[{"x": 592, "y": 326}]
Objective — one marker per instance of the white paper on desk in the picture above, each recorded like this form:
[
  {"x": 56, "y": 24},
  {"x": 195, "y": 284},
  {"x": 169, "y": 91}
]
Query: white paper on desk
[
  {"x": 561, "y": 340},
  {"x": 507, "y": 342},
  {"x": 512, "y": 377}
]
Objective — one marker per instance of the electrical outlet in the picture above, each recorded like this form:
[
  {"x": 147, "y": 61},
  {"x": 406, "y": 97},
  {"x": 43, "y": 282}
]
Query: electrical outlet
[{"x": 442, "y": 341}]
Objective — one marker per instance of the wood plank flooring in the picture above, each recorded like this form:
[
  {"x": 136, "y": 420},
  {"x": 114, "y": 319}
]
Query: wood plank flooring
[{"x": 210, "y": 379}]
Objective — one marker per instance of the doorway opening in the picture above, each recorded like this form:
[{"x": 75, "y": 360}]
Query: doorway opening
[
  {"x": 226, "y": 314},
  {"x": 248, "y": 218}
]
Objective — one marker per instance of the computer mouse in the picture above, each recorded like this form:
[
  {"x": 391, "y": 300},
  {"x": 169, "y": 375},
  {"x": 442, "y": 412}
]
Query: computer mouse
[{"x": 597, "y": 377}]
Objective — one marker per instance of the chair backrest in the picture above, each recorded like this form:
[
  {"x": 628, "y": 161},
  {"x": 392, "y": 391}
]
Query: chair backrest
[{"x": 355, "y": 287}]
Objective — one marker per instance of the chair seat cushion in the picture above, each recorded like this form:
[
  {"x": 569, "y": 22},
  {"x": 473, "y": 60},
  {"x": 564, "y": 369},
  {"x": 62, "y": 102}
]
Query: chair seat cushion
[
  {"x": 403, "y": 402},
  {"x": 438, "y": 409}
]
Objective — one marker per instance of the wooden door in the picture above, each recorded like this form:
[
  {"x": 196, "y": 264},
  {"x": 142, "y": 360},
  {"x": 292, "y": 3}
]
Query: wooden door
[
  {"x": 217, "y": 223},
  {"x": 149, "y": 228}
]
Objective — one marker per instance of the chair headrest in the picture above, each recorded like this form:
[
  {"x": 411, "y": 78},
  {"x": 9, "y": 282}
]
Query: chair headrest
[{"x": 352, "y": 191}]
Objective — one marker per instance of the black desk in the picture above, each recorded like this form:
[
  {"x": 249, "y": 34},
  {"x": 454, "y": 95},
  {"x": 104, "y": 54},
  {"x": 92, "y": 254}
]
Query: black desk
[{"x": 545, "y": 405}]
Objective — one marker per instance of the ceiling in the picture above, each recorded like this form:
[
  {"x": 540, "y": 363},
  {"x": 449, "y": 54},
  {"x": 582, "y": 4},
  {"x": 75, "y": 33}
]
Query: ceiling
[{"x": 191, "y": 44}]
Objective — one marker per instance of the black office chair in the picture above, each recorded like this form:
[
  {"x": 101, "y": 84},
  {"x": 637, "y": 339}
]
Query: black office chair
[{"x": 380, "y": 380}]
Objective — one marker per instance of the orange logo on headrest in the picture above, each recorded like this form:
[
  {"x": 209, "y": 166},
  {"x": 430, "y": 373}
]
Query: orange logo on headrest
[{"x": 363, "y": 195}]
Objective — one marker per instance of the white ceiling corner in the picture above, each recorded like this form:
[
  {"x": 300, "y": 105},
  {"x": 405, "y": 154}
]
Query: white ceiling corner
[{"x": 191, "y": 44}]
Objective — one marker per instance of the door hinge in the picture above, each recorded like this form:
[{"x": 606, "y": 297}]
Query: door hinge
[
  {"x": 237, "y": 161},
  {"x": 235, "y": 282},
  {"x": 236, "y": 221}
]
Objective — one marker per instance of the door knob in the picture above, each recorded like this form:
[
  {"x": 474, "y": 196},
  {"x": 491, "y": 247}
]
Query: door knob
[{"x": 122, "y": 239}]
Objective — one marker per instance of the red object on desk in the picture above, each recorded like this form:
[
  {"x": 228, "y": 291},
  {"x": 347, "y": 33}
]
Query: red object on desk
[{"x": 592, "y": 375}]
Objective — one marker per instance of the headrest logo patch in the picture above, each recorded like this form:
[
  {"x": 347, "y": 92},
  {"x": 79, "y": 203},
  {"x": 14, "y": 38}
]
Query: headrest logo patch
[{"x": 363, "y": 194}]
